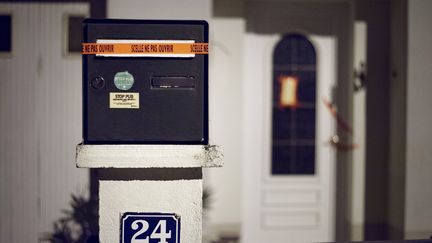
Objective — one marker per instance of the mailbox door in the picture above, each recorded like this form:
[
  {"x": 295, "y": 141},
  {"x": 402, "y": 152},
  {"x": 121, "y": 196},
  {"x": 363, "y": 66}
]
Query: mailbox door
[{"x": 168, "y": 94}]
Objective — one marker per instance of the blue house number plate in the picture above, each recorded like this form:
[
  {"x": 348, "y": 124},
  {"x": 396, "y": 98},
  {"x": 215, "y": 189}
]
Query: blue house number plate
[{"x": 150, "y": 228}]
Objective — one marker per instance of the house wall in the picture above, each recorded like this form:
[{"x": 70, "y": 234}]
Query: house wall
[
  {"x": 418, "y": 201},
  {"x": 226, "y": 65},
  {"x": 159, "y": 9},
  {"x": 397, "y": 146},
  {"x": 40, "y": 121}
]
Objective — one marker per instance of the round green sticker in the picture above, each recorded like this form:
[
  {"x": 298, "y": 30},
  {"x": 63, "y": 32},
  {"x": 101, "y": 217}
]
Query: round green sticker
[{"x": 123, "y": 80}]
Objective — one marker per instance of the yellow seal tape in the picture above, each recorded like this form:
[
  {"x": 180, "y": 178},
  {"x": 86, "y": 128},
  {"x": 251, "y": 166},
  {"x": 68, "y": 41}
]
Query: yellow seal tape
[{"x": 144, "y": 48}]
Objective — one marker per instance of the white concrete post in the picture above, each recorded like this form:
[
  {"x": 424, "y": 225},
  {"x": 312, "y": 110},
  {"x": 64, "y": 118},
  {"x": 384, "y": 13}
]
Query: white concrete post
[{"x": 149, "y": 179}]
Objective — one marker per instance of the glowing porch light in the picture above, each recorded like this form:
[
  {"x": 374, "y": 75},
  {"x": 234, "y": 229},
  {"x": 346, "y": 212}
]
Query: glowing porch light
[{"x": 288, "y": 91}]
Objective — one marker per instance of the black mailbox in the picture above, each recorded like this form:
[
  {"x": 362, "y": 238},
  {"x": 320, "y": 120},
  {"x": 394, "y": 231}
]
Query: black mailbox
[{"x": 145, "y": 98}]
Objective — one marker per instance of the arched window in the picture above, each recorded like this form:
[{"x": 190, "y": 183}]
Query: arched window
[{"x": 294, "y": 116}]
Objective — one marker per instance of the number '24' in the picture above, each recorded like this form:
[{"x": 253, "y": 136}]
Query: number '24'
[{"x": 159, "y": 231}]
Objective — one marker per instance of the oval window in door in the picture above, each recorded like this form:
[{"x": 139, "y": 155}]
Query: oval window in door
[{"x": 293, "y": 111}]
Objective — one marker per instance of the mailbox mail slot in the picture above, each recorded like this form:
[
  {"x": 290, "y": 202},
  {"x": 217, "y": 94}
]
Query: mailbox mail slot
[{"x": 144, "y": 98}]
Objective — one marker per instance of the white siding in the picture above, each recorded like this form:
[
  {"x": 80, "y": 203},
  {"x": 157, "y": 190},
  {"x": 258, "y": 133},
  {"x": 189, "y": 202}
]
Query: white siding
[{"x": 40, "y": 122}]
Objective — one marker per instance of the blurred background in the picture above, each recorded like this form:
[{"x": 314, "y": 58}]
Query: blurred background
[{"x": 322, "y": 107}]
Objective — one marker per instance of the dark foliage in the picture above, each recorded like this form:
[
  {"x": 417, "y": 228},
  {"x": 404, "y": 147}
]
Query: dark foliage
[{"x": 77, "y": 224}]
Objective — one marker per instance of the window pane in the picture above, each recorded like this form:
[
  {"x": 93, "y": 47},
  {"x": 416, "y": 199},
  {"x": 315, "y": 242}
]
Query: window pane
[
  {"x": 305, "y": 160},
  {"x": 294, "y": 112},
  {"x": 306, "y": 91},
  {"x": 299, "y": 160},
  {"x": 282, "y": 119},
  {"x": 282, "y": 160},
  {"x": 5, "y": 33},
  {"x": 305, "y": 124},
  {"x": 74, "y": 33}
]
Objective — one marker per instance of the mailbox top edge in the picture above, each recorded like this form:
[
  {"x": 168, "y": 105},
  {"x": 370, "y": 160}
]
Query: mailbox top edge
[{"x": 145, "y": 21}]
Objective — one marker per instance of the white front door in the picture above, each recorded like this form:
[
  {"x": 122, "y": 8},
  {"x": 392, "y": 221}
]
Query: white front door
[{"x": 281, "y": 205}]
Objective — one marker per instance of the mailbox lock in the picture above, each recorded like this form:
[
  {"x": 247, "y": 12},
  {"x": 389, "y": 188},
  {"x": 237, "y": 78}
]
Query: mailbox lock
[{"x": 97, "y": 83}]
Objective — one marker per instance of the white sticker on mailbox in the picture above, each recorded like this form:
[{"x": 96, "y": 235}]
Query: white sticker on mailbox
[{"x": 124, "y": 100}]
